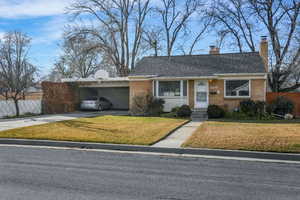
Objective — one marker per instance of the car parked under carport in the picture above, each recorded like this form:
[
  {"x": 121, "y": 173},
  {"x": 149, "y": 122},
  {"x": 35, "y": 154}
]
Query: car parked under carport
[
  {"x": 115, "y": 90},
  {"x": 118, "y": 96}
]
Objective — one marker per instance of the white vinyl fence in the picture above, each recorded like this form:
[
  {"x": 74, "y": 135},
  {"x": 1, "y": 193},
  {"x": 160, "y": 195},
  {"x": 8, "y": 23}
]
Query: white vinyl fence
[{"x": 7, "y": 108}]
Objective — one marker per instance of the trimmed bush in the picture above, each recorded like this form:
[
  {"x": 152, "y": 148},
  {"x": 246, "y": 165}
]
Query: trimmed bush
[
  {"x": 175, "y": 109},
  {"x": 281, "y": 106},
  {"x": 214, "y": 111},
  {"x": 253, "y": 108},
  {"x": 168, "y": 115},
  {"x": 184, "y": 111},
  {"x": 155, "y": 107},
  {"x": 248, "y": 107}
]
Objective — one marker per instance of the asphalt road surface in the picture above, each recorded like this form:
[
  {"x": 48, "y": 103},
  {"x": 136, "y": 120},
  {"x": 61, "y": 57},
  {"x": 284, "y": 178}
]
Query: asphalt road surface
[{"x": 42, "y": 174}]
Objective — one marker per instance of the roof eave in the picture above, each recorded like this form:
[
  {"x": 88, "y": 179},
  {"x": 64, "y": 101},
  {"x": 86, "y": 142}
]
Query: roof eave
[{"x": 242, "y": 74}]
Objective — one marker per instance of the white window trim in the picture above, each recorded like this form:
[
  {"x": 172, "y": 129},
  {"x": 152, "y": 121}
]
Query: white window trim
[
  {"x": 174, "y": 97},
  {"x": 237, "y": 97}
]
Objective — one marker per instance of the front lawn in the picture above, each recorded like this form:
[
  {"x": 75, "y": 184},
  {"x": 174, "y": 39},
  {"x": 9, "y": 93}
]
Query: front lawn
[
  {"x": 276, "y": 136},
  {"x": 106, "y": 129}
]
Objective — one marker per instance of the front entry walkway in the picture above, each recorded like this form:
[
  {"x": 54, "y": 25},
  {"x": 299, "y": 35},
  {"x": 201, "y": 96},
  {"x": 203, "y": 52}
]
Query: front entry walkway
[{"x": 176, "y": 139}]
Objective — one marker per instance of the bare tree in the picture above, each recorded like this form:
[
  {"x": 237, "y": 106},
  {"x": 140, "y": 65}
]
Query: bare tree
[
  {"x": 175, "y": 18},
  {"x": 16, "y": 72},
  {"x": 202, "y": 27},
  {"x": 79, "y": 59},
  {"x": 153, "y": 37},
  {"x": 245, "y": 20},
  {"x": 281, "y": 19},
  {"x": 61, "y": 69},
  {"x": 235, "y": 19},
  {"x": 117, "y": 19}
]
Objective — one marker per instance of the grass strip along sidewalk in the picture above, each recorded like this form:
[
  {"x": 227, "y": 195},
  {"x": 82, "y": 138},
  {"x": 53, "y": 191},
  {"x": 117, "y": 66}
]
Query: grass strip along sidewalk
[{"x": 274, "y": 136}]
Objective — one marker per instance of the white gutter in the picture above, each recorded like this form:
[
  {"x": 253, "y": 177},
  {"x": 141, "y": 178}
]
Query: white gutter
[
  {"x": 242, "y": 74},
  {"x": 142, "y": 76},
  {"x": 118, "y": 79},
  {"x": 79, "y": 80},
  {"x": 184, "y": 78}
]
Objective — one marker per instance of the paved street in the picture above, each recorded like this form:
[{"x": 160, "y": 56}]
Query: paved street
[{"x": 35, "y": 174}]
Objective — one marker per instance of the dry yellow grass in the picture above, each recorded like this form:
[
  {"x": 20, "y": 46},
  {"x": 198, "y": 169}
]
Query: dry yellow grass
[
  {"x": 106, "y": 129},
  {"x": 277, "y": 137}
]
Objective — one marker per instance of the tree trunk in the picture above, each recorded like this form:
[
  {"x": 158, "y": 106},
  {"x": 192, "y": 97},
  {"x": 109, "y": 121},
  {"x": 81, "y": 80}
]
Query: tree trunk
[
  {"x": 123, "y": 71},
  {"x": 16, "y": 101},
  {"x": 155, "y": 48}
]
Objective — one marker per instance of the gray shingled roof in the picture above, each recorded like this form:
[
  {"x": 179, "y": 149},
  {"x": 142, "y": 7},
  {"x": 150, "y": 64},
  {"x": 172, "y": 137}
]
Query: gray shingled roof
[{"x": 199, "y": 65}]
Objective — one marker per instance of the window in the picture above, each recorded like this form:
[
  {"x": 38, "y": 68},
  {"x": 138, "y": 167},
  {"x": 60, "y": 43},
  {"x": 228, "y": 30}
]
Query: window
[
  {"x": 170, "y": 88},
  {"x": 237, "y": 88}
]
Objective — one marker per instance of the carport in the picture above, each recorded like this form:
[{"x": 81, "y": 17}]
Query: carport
[{"x": 116, "y": 90}]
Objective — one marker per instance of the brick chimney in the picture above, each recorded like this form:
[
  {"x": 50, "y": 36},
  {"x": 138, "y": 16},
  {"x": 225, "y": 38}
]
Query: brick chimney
[
  {"x": 214, "y": 50},
  {"x": 264, "y": 51}
]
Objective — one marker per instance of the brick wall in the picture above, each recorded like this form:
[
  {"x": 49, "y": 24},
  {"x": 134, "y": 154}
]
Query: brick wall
[
  {"x": 293, "y": 96},
  {"x": 59, "y": 97},
  {"x": 137, "y": 88},
  {"x": 257, "y": 93}
]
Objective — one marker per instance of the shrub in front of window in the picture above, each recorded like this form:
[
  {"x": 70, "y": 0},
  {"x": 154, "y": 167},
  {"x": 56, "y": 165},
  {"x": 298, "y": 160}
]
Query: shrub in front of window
[
  {"x": 147, "y": 105},
  {"x": 171, "y": 114},
  {"x": 168, "y": 115},
  {"x": 281, "y": 106},
  {"x": 248, "y": 107},
  {"x": 184, "y": 111},
  {"x": 253, "y": 108},
  {"x": 215, "y": 111},
  {"x": 155, "y": 107},
  {"x": 175, "y": 109}
]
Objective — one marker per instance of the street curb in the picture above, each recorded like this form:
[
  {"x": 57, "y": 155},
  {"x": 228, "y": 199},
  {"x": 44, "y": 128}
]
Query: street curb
[{"x": 147, "y": 149}]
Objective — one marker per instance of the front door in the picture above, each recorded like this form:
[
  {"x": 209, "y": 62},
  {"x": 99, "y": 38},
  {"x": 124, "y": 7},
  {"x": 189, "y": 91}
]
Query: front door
[{"x": 201, "y": 94}]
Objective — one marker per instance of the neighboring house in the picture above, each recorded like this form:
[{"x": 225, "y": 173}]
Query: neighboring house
[
  {"x": 202, "y": 80},
  {"x": 34, "y": 89},
  {"x": 195, "y": 80}
]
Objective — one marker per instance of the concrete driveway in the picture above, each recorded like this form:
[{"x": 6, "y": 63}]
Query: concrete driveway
[{"x": 6, "y": 124}]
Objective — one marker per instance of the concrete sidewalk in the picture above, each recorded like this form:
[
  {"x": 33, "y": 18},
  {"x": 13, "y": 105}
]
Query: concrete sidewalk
[
  {"x": 176, "y": 139},
  {"x": 44, "y": 119}
]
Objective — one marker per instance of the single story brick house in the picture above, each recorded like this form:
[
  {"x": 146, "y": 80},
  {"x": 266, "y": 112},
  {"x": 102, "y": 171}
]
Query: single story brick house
[
  {"x": 195, "y": 80},
  {"x": 202, "y": 80}
]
